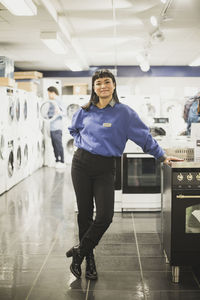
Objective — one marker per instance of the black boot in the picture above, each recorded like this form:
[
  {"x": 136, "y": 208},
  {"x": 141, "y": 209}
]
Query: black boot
[
  {"x": 90, "y": 272},
  {"x": 77, "y": 258}
]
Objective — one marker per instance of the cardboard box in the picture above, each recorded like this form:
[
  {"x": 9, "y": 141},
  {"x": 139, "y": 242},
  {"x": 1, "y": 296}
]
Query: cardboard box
[
  {"x": 28, "y": 86},
  {"x": 75, "y": 89},
  {"x": 5, "y": 81},
  {"x": 28, "y": 75},
  {"x": 6, "y": 67}
]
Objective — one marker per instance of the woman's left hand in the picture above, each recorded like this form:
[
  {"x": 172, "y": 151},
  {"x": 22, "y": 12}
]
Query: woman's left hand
[{"x": 169, "y": 159}]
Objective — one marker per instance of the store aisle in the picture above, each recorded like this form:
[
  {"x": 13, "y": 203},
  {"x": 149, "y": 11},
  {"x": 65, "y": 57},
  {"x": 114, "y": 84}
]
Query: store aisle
[{"x": 38, "y": 225}]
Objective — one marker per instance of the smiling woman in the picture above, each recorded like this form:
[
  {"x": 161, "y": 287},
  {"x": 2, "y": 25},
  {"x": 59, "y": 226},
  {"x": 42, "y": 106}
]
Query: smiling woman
[{"x": 101, "y": 129}]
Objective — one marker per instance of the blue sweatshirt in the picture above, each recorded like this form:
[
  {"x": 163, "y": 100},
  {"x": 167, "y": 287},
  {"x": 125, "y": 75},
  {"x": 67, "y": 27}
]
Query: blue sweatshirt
[{"x": 106, "y": 131}]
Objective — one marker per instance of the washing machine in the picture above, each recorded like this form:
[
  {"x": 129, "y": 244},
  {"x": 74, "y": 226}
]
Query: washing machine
[
  {"x": 72, "y": 103},
  {"x": 7, "y": 112},
  {"x": 10, "y": 165},
  {"x": 3, "y": 152},
  {"x": 40, "y": 150},
  {"x": 45, "y": 83},
  {"x": 36, "y": 152},
  {"x": 18, "y": 160},
  {"x": 69, "y": 148},
  {"x": 26, "y": 150},
  {"x": 49, "y": 157},
  {"x": 147, "y": 106},
  {"x": 21, "y": 110},
  {"x": 4, "y": 106}
]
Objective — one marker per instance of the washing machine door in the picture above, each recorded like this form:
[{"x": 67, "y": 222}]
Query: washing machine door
[
  {"x": 71, "y": 109},
  {"x": 25, "y": 154},
  {"x": 11, "y": 109},
  {"x": 70, "y": 146},
  {"x": 25, "y": 110},
  {"x": 17, "y": 109},
  {"x": 10, "y": 163},
  {"x": 49, "y": 110},
  {"x": 19, "y": 157}
]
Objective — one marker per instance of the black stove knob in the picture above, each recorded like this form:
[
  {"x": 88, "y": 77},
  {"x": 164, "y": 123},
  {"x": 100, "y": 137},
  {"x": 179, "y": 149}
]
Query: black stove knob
[
  {"x": 189, "y": 177},
  {"x": 180, "y": 177}
]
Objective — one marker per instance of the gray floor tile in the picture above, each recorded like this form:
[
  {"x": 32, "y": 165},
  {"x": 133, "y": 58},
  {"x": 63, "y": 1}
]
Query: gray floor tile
[
  {"x": 126, "y": 237},
  {"x": 116, "y": 249},
  {"x": 117, "y": 263},
  {"x": 115, "y": 295},
  {"x": 21, "y": 262},
  {"x": 177, "y": 295},
  {"x": 15, "y": 284},
  {"x": 152, "y": 250},
  {"x": 54, "y": 294},
  {"x": 126, "y": 281},
  {"x": 148, "y": 238},
  {"x": 162, "y": 281},
  {"x": 59, "y": 279}
]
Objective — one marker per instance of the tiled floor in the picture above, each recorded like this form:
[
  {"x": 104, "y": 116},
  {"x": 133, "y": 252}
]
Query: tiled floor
[{"x": 38, "y": 225}]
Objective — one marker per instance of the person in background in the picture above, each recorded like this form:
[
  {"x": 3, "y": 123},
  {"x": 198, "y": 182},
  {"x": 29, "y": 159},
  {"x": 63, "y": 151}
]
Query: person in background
[
  {"x": 101, "y": 129},
  {"x": 193, "y": 113},
  {"x": 56, "y": 126}
]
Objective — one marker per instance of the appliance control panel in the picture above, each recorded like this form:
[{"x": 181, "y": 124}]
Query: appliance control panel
[{"x": 186, "y": 179}]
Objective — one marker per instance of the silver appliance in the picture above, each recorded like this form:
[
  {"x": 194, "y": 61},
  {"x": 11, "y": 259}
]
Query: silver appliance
[{"x": 141, "y": 183}]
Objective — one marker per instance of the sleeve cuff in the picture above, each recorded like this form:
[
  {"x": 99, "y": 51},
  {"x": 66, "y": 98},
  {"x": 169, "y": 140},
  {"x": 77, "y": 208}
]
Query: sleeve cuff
[{"x": 162, "y": 158}]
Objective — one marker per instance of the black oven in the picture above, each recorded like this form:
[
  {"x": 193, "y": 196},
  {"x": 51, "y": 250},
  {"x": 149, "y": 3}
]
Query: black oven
[
  {"x": 181, "y": 215},
  {"x": 141, "y": 174}
]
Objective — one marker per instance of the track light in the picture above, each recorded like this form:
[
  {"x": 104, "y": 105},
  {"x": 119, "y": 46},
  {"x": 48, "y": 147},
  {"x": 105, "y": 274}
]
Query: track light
[
  {"x": 143, "y": 62},
  {"x": 144, "y": 66},
  {"x": 154, "y": 21}
]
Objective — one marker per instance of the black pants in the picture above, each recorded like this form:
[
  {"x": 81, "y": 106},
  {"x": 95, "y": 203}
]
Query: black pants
[
  {"x": 93, "y": 180},
  {"x": 56, "y": 139}
]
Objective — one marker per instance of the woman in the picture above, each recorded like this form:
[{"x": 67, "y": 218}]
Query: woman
[{"x": 101, "y": 129}]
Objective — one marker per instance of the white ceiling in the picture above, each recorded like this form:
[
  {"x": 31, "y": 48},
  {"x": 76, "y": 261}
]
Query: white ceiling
[{"x": 103, "y": 32}]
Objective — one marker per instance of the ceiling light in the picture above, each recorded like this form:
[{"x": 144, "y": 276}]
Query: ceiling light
[
  {"x": 154, "y": 21},
  {"x": 157, "y": 36},
  {"x": 195, "y": 63},
  {"x": 20, "y": 7},
  {"x": 53, "y": 41},
  {"x": 144, "y": 66},
  {"x": 73, "y": 65},
  {"x": 163, "y": 1}
]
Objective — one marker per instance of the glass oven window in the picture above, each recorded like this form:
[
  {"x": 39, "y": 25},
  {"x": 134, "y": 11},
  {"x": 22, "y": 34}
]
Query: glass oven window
[
  {"x": 143, "y": 172},
  {"x": 192, "y": 220}
]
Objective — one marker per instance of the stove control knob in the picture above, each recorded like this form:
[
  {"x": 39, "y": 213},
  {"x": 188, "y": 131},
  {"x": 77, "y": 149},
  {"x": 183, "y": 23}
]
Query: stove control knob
[
  {"x": 189, "y": 177},
  {"x": 180, "y": 177},
  {"x": 198, "y": 177}
]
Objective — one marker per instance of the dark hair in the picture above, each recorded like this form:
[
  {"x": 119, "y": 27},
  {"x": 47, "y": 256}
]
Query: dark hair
[
  {"x": 53, "y": 89},
  {"x": 94, "y": 99}
]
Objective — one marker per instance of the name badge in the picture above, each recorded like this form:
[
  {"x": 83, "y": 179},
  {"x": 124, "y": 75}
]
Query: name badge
[{"x": 107, "y": 124}]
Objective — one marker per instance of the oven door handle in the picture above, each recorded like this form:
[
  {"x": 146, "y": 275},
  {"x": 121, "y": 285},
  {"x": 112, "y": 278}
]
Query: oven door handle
[
  {"x": 138, "y": 155},
  {"x": 187, "y": 196}
]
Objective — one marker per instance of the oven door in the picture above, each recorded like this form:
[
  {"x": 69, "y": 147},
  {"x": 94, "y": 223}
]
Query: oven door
[
  {"x": 141, "y": 174},
  {"x": 186, "y": 221}
]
